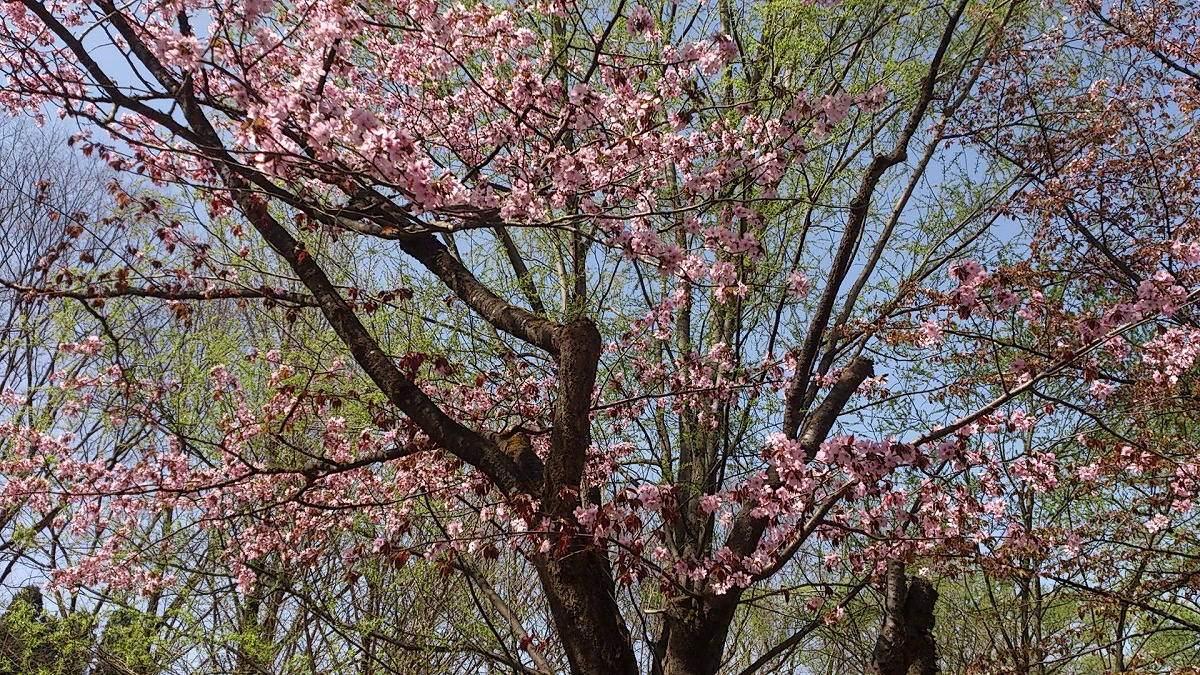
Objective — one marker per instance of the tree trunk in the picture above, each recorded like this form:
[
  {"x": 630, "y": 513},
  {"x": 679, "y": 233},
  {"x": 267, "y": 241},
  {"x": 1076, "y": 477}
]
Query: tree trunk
[
  {"x": 693, "y": 640},
  {"x": 906, "y": 645},
  {"x": 583, "y": 603}
]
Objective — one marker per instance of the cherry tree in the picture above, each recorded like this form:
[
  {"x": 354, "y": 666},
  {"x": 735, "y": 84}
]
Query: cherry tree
[
  {"x": 1097, "y": 108},
  {"x": 655, "y": 302}
]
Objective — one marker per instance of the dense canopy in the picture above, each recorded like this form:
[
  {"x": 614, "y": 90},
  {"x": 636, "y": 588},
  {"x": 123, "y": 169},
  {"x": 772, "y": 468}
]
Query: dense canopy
[{"x": 684, "y": 337}]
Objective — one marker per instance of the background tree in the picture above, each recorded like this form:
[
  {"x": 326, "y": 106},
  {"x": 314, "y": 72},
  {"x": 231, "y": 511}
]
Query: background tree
[{"x": 31, "y": 641}]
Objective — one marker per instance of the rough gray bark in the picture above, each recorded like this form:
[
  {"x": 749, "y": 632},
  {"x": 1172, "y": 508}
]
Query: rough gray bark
[{"x": 906, "y": 645}]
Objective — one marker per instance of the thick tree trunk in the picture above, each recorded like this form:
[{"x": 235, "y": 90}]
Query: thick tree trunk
[
  {"x": 693, "y": 652},
  {"x": 693, "y": 641},
  {"x": 906, "y": 645},
  {"x": 578, "y": 582},
  {"x": 583, "y": 602}
]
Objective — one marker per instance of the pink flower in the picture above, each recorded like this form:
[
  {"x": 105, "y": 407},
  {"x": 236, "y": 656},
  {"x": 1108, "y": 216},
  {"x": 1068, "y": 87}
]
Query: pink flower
[
  {"x": 650, "y": 496},
  {"x": 1022, "y": 421},
  {"x": 873, "y": 99},
  {"x": 1172, "y": 353},
  {"x": 1101, "y": 390},
  {"x": 928, "y": 334},
  {"x": 1189, "y": 252},
  {"x": 1157, "y": 524},
  {"x": 640, "y": 21},
  {"x": 798, "y": 284},
  {"x": 89, "y": 346},
  {"x": 246, "y": 578},
  {"x": 836, "y": 107},
  {"x": 834, "y": 617},
  {"x": 723, "y": 273},
  {"x": 1073, "y": 546},
  {"x": 969, "y": 273},
  {"x": 587, "y": 516},
  {"x": 174, "y": 49}
]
